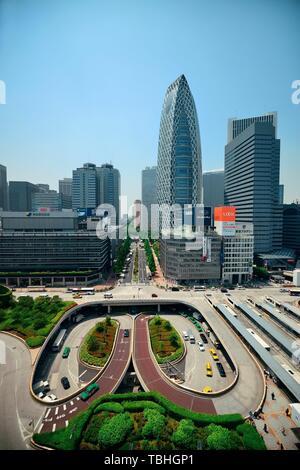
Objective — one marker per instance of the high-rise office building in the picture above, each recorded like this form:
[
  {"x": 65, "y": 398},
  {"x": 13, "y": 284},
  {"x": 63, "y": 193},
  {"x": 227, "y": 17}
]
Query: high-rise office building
[
  {"x": 84, "y": 187},
  {"x": 251, "y": 184},
  {"x": 65, "y": 191},
  {"x": 213, "y": 188},
  {"x": 46, "y": 199},
  {"x": 108, "y": 187},
  {"x": 3, "y": 188},
  {"x": 149, "y": 192},
  {"x": 291, "y": 227},
  {"x": 179, "y": 170},
  {"x": 20, "y": 195}
]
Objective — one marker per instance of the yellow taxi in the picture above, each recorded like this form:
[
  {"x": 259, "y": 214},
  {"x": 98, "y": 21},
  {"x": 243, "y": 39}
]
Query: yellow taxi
[
  {"x": 214, "y": 354},
  {"x": 209, "y": 371},
  {"x": 207, "y": 390}
]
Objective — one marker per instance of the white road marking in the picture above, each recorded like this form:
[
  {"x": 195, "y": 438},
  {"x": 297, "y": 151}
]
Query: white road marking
[
  {"x": 71, "y": 402},
  {"x": 47, "y": 414},
  {"x": 73, "y": 410},
  {"x": 53, "y": 427},
  {"x": 67, "y": 423},
  {"x": 40, "y": 428},
  {"x": 64, "y": 407},
  {"x": 82, "y": 373},
  {"x": 77, "y": 398},
  {"x": 56, "y": 410}
]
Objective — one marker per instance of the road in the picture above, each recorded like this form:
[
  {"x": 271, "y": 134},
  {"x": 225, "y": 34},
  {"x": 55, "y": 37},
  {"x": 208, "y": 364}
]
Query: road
[{"x": 19, "y": 412}]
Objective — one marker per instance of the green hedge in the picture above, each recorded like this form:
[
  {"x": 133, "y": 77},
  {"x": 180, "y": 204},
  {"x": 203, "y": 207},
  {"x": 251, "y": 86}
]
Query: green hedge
[
  {"x": 251, "y": 438},
  {"x": 35, "y": 341},
  {"x": 155, "y": 424},
  {"x": 135, "y": 406},
  {"x": 69, "y": 437},
  {"x": 111, "y": 407}
]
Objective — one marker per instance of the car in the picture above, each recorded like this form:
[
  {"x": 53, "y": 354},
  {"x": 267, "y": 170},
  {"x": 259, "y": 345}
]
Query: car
[
  {"x": 201, "y": 346},
  {"x": 49, "y": 398},
  {"x": 203, "y": 337},
  {"x": 214, "y": 354},
  {"x": 223, "y": 289},
  {"x": 185, "y": 336},
  {"x": 66, "y": 352},
  {"x": 126, "y": 333},
  {"x": 209, "y": 371},
  {"x": 108, "y": 295},
  {"x": 192, "y": 339},
  {"x": 65, "y": 382},
  {"x": 41, "y": 395},
  {"x": 207, "y": 390},
  {"x": 221, "y": 369},
  {"x": 175, "y": 289},
  {"x": 154, "y": 295},
  {"x": 89, "y": 391}
]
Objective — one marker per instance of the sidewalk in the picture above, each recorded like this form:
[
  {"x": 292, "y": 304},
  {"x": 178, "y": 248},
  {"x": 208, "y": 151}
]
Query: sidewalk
[
  {"x": 159, "y": 278},
  {"x": 275, "y": 417}
]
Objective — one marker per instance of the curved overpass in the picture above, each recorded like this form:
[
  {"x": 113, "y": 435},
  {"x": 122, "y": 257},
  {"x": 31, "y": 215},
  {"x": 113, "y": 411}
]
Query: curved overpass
[
  {"x": 153, "y": 380},
  {"x": 59, "y": 416}
]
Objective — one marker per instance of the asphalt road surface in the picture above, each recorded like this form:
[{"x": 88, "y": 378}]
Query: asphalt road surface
[{"x": 19, "y": 412}]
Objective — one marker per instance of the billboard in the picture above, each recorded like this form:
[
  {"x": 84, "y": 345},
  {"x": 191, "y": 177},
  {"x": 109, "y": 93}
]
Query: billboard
[{"x": 225, "y": 220}]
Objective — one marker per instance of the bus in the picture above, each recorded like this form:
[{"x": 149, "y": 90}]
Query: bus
[
  {"x": 57, "y": 345},
  {"x": 81, "y": 290},
  {"x": 36, "y": 288},
  {"x": 294, "y": 292},
  {"x": 259, "y": 339}
]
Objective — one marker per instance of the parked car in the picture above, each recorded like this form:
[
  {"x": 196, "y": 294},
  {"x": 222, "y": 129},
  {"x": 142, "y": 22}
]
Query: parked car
[
  {"x": 126, "y": 333},
  {"x": 201, "y": 346},
  {"x": 175, "y": 289},
  {"x": 192, "y": 339},
  {"x": 65, "y": 382},
  {"x": 221, "y": 369},
  {"x": 203, "y": 337},
  {"x": 209, "y": 371},
  {"x": 214, "y": 354},
  {"x": 223, "y": 289},
  {"x": 108, "y": 295},
  {"x": 154, "y": 295},
  {"x": 207, "y": 390}
]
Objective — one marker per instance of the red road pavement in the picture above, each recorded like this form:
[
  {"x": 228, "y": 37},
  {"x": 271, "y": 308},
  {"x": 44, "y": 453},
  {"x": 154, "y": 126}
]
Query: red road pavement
[
  {"x": 58, "y": 416},
  {"x": 154, "y": 380}
]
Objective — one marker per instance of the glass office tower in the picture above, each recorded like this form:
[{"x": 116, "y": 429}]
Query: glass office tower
[{"x": 179, "y": 172}]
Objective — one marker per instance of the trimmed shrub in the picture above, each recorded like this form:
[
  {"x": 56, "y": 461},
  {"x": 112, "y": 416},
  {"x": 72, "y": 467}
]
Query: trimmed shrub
[
  {"x": 220, "y": 438},
  {"x": 92, "y": 430},
  {"x": 114, "y": 431},
  {"x": 135, "y": 406},
  {"x": 251, "y": 438},
  {"x": 5, "y": 296},
  {"x": 185, "y": 436},
  {"x": 35, "y": 341},
  {"x": 154, "y": 425},
  {"x": 111, "y": 407}
]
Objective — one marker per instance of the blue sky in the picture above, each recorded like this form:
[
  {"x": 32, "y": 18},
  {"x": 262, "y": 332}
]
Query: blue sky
[{"x": 85, "y": 80}]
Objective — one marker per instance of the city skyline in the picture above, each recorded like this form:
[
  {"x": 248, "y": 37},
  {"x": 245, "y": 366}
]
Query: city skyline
[{"x": 68, "y": 110}]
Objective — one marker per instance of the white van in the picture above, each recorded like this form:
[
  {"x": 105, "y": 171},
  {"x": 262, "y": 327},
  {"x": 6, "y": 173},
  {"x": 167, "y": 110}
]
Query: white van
[{"x": 185, "y": 336}]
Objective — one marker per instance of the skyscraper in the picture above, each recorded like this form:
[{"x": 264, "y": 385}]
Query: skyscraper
[
  {"x": 20, "y": 195},
  {"x": 108, "y": 187},
  {"x": 3, "y": 188},
  {"x": 213, "y": 188},
  {"x": 46, "y": 199},
  {"x": 65, "y": 191},
  {"x": 84, "y": 187},
  {"x": 149, "y": 191},
  {"x": 252, "y": 160},
  {"x": 179, "y": 171}
]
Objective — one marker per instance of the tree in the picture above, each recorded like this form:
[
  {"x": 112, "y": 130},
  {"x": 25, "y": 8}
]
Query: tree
[
  {"x": 100, "y": 327},
  {"x": 167, "y": 325},
  {"x": 108, "y": 321},
  {"x": 173, "y": 338},
  {"x": 93, "y": 344},
  {"x": 185, "y": 436}
]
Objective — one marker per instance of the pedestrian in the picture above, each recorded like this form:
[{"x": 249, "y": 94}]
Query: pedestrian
[
  {"x": 273, "y": 395},
  {"x": 287, "y": 412},
  {"x": 283, "y": 431},
  {"x": 266, "y": 428}
]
